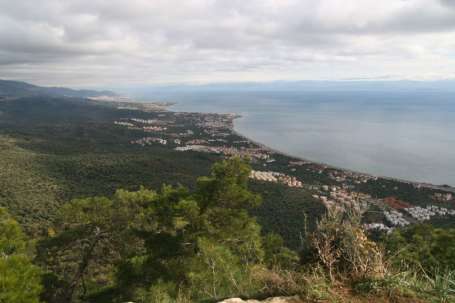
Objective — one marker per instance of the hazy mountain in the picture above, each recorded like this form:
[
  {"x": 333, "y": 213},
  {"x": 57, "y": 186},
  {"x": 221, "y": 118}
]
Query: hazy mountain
[
  {"x": 389, "y": 86},
  {"x": 22, "y": 89}
]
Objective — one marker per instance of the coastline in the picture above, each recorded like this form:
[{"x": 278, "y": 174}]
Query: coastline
[
  {"x": 234, "y": 116},
  {"x": 448, "y": 188}
]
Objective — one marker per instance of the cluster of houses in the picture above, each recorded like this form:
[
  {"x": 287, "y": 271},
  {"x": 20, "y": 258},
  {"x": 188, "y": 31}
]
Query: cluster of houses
[
  {"x": 423, "y": 214},
  {"x": 205, "y": 142},
  {"x": 253, "y": 153},
  {"x": 378, "y": 227},
  {"x": 196, "y": 142},
  {"x": 395, "y": 218},
  {"x": 144, "y": 121},
  {"x": 198, "y": 148},
  {"x": 216, "y": 121},
  {"x": 217, "y": 125},
  {"x": 290, "y": 181},
  {"x": 148, "y": 125},
  {"x": 335, "y": 196},
  {"x": 339, "y": 175},
  {"x": 420, "y": 214},
  {"x": 149, "y": 141},
  {"x": 276, "y": 177},
  {"x": 122, "y": 123},
  {"x": 267, "y": 176},
  {"x": 121, "y": 102}
]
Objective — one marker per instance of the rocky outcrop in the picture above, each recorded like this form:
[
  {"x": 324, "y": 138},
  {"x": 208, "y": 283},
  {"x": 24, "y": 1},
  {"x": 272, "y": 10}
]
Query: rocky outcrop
[{"x": 294, "y": 299}]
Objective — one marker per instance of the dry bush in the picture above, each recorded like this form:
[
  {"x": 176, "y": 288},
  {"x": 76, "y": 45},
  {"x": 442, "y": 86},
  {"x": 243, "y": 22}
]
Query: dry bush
[
  {"x": 343, "y": 248},
  {"x": 278, "y": 282}
]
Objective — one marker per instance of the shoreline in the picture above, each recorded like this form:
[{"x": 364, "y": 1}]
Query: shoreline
[
  {"x": 448, "y": 188},
  {"x": 418, "y": 184}
]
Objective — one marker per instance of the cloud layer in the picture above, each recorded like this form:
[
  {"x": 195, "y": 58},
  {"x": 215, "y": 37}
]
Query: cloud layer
[{"x": 113, "y": 42}]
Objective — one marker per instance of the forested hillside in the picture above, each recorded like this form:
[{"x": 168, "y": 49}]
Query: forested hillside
[
  {"x": 56, "y": 149},
  {"x": 201, "y": 245},
  {"x": 89, "y": 215}
]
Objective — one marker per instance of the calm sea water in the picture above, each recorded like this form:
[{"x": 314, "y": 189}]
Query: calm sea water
[{"x": 401, "y": 134}]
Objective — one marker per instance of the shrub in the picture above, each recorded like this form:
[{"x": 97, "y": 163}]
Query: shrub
[
  {"x": 159, "y": 292},
  {"x": 441, "y": 286},
  {"x": 277, "y": 254},
  {"x": 342, "y": 247},
  {"x": 20, "y": 280},
  {"x": 422, "y": 245},
  {"x": 216, "y": 272},
  {"x": 312, "y": 285}
]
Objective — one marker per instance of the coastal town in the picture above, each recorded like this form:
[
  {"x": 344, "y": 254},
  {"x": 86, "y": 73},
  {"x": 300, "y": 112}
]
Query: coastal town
[
  {"x": 333, "y": 187},
  {"x": 271, "y": 176}
]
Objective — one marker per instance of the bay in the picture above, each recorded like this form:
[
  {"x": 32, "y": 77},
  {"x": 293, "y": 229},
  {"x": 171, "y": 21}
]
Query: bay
[{"x": 406, "y": 135}]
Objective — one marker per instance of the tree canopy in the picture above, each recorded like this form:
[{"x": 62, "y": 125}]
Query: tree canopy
[
  {"x": 20, "y": 280},
  {"x": 142, "y": 239}
]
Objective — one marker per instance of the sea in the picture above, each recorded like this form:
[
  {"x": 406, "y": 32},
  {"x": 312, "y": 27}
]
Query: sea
[{"x": 401, "y": 134}]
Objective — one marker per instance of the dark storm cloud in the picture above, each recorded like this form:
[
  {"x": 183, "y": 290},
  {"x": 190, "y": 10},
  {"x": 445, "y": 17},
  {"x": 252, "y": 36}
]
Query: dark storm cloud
[{"x": 207, "y": 40}]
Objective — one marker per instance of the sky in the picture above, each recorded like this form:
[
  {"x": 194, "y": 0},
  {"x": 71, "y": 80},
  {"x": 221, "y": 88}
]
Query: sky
[{"x": 84, "y": 43}]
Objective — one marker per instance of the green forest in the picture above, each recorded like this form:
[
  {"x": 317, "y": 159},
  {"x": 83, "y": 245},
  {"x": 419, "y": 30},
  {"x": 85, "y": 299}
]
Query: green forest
[
  {"x": 179, "y": 245},
  {"x": 53, "y": 150},
  {"x": 85, "y": 216}
]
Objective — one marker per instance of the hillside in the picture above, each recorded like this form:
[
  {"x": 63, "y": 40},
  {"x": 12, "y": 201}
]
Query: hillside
[
  {"x": 93, "y": 148},
  {"x": 72, "y": 149},
  {"x": 124, "y": 204},
  {"x": 10, "y": 88},
  {"x": 186, "y": 245}
]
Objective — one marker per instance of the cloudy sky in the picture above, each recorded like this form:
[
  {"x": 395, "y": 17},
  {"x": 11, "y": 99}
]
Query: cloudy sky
[{"x": 122, "y": 42}]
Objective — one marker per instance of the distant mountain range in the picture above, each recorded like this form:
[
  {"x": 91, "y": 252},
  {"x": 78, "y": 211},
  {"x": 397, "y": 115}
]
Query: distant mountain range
[
  {"x": 377, "y": 86},
  {"x": 23, "y": 89}
]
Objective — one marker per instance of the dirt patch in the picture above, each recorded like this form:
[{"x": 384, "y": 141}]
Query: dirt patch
[{"x": 396, "y": 203}]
